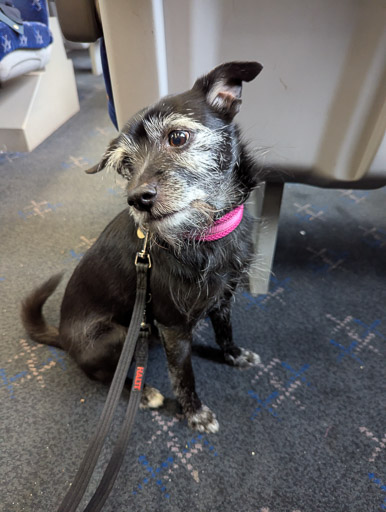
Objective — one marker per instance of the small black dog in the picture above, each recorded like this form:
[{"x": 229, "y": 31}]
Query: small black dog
[{"x": 186, "y": 169}]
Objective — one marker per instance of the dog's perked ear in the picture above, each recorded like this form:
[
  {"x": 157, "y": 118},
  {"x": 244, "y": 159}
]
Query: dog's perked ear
[
  {"x": 106, "y": 158},
  {"x": 222, "y": 86}
]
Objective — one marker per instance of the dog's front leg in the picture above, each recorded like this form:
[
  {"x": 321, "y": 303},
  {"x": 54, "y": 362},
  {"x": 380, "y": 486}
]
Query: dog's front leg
[
  {"x": 233, "y": 355},
  {"x": 178, "y": 353}
]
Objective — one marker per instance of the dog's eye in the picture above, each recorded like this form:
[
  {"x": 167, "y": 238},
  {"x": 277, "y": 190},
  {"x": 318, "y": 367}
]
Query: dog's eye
[{"x": 178, "y": 138}]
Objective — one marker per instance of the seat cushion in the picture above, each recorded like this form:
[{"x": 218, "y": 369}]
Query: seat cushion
[{"x": 36, "y": 35}]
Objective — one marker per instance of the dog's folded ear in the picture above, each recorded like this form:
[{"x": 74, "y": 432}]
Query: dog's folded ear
[
  {"x": 108, "y": 159},
  {"x": 222, "y": 86},
  {"x": 93, "y": 170}
]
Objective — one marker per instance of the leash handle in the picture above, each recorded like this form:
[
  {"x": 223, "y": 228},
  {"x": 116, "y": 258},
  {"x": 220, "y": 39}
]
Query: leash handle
[{"x": 82, "y": 478}]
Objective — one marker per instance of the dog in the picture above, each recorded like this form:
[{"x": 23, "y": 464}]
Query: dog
[{"x": 187, "y": 172}]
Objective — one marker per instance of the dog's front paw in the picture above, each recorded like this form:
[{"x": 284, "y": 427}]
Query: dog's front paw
[
  {"x": 204, "y": 420},
  {"x": 245, "y": 359},
  {"x": 151, "y": 398}
]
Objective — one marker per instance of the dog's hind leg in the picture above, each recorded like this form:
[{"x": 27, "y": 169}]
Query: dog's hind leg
[
  {"x": 98, "y": 356},
  {"x": 233, "y": 355},
  {"x": 178, "y": 353}
]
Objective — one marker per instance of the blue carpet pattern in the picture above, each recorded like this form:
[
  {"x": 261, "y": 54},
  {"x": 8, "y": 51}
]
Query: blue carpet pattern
[{"x": 303, "y": 432}]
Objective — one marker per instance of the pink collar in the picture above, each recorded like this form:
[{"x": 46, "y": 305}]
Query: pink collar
[{"x": 223, "y": 226}]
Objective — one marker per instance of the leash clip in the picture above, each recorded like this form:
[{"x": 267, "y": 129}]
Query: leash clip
[
  {"x": 145, "y": 328},
  {"x": 144, "y": 255}
]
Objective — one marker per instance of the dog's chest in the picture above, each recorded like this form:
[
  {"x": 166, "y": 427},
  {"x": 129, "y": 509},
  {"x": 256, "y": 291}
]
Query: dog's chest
[
  {"x": 183, "y": 292},
  {"x": 182, "y": 304}
]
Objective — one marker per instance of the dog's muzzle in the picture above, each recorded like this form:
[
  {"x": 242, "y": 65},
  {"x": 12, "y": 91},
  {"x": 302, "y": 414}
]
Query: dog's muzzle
[{"x": 143, "y": 197}]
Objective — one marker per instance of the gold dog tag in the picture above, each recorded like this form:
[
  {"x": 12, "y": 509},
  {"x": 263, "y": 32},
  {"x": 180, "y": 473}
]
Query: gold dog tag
[{"x": 140, "y": 234}]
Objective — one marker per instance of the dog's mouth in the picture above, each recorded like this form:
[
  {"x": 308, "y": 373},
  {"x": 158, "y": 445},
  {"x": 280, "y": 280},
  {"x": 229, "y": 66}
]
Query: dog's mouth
[
  {"x": 197, "y": 215},
  {"x": 164, "y": 216},
  {"x": 151, "y": 219}
]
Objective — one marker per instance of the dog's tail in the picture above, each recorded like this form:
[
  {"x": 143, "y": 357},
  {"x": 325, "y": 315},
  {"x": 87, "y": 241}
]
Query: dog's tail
[{"x": 32, "y": 314}]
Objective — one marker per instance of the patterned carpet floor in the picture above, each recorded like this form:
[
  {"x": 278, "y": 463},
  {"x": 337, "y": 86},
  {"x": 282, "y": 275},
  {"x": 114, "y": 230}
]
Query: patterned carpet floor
[{"x": 303, "y": 432}]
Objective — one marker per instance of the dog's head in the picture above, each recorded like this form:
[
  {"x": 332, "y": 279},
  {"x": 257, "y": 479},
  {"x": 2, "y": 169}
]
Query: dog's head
[{"x": 181, "y": 156}]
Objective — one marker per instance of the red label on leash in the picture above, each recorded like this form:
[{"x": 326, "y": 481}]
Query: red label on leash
[{"x": 138, "y": 378}]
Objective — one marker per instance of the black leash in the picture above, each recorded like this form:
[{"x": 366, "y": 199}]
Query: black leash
[
  {"x": 111, "y": 472},
  {"x": 136, "y": 338}
]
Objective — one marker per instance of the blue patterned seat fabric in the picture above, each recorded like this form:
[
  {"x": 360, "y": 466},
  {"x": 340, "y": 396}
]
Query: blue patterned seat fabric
[{"x": 36, "y": 32}]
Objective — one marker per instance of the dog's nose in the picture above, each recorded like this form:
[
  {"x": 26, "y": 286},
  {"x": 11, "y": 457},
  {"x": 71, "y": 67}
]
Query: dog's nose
[{"x": 143, "y": 197}]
